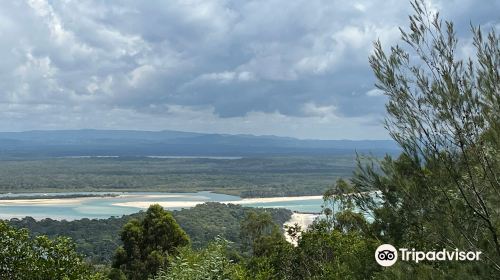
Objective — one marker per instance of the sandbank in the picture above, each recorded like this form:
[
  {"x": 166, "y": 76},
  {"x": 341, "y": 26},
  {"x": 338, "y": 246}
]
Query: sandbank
[
  {"x": 165, "y": 204},
  {"x": 192, "y": 203},
  {"x": 44, "y": 201}
]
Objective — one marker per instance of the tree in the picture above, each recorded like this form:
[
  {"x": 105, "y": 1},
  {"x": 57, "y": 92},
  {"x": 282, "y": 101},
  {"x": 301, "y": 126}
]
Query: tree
[
  {"x": 444, "y": 111},
  {"x": 270, "y": 252},
  {"x": 210, "y": 263},
  {"x": 254, "y": 227},
  {"x": 23, "y": 257},
  {"x": 147, "y": 244},
  {"x": 339, "y": 208},
  {"x": 323, "y": 253}
]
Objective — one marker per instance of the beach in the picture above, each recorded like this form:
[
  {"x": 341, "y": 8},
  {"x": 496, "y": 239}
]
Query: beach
[
  {"x": 302, "y": 219},
  {"x": 44, "y": 201},
  {"x": 165, "y": 204},
  {"x": 192, "y": 203}
]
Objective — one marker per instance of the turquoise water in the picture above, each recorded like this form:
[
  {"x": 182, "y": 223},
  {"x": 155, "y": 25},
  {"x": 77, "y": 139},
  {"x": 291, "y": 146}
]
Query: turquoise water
[{"x": 103, "y": 207}]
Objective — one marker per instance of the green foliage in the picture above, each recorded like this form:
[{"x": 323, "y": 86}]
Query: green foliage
[
  {"x": 207, "y": 221},
  {"x": 325, "y": 254},
  {"x": 148, "y": 243},
  {"x": 322, "y": 252},
  {"x": 267, "y": 245},
  {"x": 246, "y": 177},
  {"x": 255, "y": 227},
  {"x": 444, "y": 111},
  {"x": 116, "y": 274},
  {"x": 339, "y": 208},
  {"x": 442, "y": 192},
  {"x": 211, "y": 263},
  {"x": 25, "y": 258},
  {"x": 97, "y": 239}
]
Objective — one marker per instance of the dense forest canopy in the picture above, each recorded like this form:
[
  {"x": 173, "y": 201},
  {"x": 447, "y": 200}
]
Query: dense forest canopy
[
  {"x": 261, "y": 176},
  {"x": 97, "y": 239}
]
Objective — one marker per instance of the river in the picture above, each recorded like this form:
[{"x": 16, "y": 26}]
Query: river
[{"x": 102, "y": 206}]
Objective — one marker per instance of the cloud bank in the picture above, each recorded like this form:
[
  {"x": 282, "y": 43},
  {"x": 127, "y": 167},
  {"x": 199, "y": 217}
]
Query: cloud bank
[{"x": 295, "y": 68}]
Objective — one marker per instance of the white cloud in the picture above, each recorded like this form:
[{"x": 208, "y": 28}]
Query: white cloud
[
  {"x": 140, "y": 75},
  {"x": 225, "y": 76},
  {"x": 323, "y": 112},
  {"x": 375, "y": 92},
  {"x": 228, "y": 76}
]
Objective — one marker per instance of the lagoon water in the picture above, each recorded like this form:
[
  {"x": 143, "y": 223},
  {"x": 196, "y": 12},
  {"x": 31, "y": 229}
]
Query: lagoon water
[{"x": 128, "y": 203}]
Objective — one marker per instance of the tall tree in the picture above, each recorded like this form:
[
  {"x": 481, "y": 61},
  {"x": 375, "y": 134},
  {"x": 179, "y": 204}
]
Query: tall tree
[{"x": 148, "y": 243}]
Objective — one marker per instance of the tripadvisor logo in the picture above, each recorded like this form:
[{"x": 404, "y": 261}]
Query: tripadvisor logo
[{"x": 387, "y": 255}]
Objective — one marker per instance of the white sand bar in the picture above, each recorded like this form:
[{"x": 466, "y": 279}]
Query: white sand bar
[
  {"x": 43, "y": 201},
  {"x": 144, "y": 201},
  {"x": 163, "y": 196},
  {"x": 165, "y": 204},
  {"x": 192, "y": 203}
]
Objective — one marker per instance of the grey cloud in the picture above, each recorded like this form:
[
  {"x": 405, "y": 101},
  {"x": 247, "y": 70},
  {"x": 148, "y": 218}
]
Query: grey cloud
[{"x": 229, "y": 59}]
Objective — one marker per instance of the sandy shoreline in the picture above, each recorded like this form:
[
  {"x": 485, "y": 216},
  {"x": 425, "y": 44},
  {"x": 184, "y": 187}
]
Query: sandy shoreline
[
  {"x": 192, "y": 203},
  {"x": 44, "y": 201},
  {"x": 165, "y": 204},
  {"x": 163, "y": 196},
  {"x": 302, "y": 219},
  {"x": 150, "y": 199},
  {"x": 78, "y": 200}
]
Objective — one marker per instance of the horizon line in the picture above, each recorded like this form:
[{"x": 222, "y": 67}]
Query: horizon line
[{"x": 194, "y": 132}]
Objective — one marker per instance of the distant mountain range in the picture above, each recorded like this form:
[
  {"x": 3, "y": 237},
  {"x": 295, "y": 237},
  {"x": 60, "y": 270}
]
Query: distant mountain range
[{"x": 89, "y": 142}]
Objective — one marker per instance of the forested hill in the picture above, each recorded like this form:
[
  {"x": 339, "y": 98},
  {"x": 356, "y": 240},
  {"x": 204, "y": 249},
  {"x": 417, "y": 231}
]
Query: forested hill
[
  {"x": 97, "y": 239},
  {"x": 152, "y": 143}
]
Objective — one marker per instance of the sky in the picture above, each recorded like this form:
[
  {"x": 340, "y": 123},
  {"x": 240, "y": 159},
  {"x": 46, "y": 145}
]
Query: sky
[{"x": 271, "y": 67}]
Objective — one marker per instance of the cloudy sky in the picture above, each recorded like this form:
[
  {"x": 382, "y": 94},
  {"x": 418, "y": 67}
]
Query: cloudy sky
[{"x": 292, "y": 68}]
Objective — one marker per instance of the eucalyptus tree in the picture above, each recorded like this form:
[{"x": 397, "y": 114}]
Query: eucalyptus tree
[{"x": 148, "y": 244}]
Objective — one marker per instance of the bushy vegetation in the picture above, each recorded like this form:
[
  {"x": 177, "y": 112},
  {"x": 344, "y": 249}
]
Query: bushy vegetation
[
  {"x": 23, "y": 257},
  {"x": 209, "y": 263},
  {"x": 206, "y": 222},
  {"x": 444, "y": 111},
  {"x": 97, "y": 239}
]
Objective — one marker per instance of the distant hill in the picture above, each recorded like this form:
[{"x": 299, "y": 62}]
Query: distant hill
[{"x": 88, "y": 142}]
